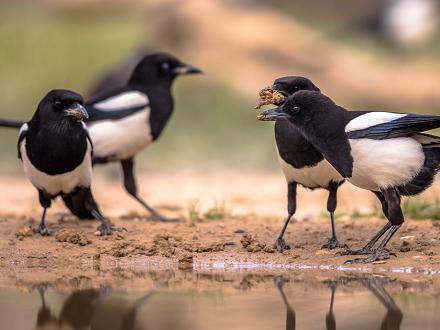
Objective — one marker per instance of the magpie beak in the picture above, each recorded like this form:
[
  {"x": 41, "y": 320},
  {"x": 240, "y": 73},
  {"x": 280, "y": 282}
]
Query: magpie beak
[
  {"x": 77, "y": 111},
  {"x": 187, "y": 69},
  {"x": 272, "y": 114}
]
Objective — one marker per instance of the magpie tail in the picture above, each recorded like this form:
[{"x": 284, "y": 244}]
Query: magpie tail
[
  {"x": 81, "y": 203},
  {"x": 11, "y": 123},
  {"x": 425, "y": 178}
]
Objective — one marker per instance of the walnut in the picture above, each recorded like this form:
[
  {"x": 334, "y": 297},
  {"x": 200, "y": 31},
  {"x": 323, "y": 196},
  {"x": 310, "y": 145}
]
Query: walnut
[{"x": 269, "y": 96}]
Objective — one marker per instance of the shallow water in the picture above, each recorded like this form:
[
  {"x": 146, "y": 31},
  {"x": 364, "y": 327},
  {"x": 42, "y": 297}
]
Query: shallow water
[{"x": 188, "y": 300}]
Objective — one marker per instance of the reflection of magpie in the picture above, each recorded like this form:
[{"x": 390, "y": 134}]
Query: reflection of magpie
[
  {"x": 302, "y": 163},
  {"x": 126, "y": 120},
  {"x": 290, "y": 312},
  {"x": 380, "y": 151},
  {"x": 56, "y": 153}
]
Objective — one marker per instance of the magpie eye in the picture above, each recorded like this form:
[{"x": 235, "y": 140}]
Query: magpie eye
[
  {"x": 57, "y": 104},
  {"x": 165, "y": 66},
  {"x": 296, "y": 88},
  {"x": 295, "y": 109}
]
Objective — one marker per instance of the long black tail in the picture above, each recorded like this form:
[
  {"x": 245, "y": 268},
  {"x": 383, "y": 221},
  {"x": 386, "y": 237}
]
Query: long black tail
[
  {"x": 81, "y": 203},
  {"x": 11, "y": 123}
]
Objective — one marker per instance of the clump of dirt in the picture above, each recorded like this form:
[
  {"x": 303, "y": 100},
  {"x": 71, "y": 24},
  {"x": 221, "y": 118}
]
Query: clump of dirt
[
  {"x": 185, "y": 262},
  {"x": 24, "y": 231},
  {"x": 71, "y": 236},
  {"x": 405, "y": 247},
  {"x": 252, "y": 244},
  {"x": 269, "y": 96}
]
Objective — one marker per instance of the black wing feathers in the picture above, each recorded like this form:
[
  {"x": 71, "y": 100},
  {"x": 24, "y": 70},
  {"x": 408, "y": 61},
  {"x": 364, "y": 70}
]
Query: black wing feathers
[{"x": 401, "y": 127}]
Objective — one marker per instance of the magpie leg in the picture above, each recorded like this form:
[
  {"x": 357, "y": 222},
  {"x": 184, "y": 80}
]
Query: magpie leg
[
  {"x": 45, "y": 202},
  {"x": 280, "y": 243},
  {"x": 290, "y": 312},
  {"x": 330, "y": 320},
  {"x": 331, "y": 207},
  {"x": 396, "y": 218},
  {"x": 130, "y": 186},
  {"x": 368, "y": 248}
]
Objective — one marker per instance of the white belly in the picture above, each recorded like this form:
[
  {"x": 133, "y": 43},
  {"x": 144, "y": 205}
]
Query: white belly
[
  {"x": 122, "y": 138},
  {"x": 385, "y": 163},
  {"x": 81, "y": 176},
  {"x": 316, "y": 176}
]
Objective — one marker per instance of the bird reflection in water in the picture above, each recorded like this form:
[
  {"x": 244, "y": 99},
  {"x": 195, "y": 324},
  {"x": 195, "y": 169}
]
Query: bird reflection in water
[
  {"x": 90, "y": 309},
  {"x": 391, "y": 320}
]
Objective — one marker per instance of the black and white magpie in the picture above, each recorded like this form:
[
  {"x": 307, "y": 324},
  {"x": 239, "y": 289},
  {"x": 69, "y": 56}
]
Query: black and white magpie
[
  {"x": 125, "y": 120},
  {"x": 379, "y": 151},
  {"x": 301, "y": 162},
  {"x": 56, "y": 153}
]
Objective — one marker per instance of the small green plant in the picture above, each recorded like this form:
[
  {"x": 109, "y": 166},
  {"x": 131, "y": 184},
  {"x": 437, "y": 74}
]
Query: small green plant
[
  {"x": 194, "y": 212},
  {"x": 218, "y": 212},
  {"x": 421, "y": 209}
]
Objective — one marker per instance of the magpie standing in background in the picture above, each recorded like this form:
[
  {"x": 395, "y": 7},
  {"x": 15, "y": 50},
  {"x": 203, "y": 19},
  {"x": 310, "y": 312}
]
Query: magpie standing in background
[
  {"x": 301, "y": 162},
  {"x": 379, "y": 151},
  {"x": 56, "y": 153},
  {"x": 126, "y": 120}
]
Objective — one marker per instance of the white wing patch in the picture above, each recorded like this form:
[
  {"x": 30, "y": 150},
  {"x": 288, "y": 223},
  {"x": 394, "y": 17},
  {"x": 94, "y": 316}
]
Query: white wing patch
[
  {"x": 23, "y": 128},
  {"x": 123, "y": 101},
  {"x": 371, "y": 119}
]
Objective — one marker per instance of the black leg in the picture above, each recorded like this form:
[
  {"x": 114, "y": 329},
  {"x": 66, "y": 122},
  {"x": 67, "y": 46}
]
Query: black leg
[
  {"x": 392, "y": 198},
  {"x": 45, "y": 201},
  {"x": 290, "y": 312},
  {"x": 368, "y": 248},
  {"x": 280, "y": 243},
  {"x": 331, "y": 207},
  {"x": 92, "y": 207},
  {"x": 130, "y": 186},
  {"x": 330, "y": 321}
]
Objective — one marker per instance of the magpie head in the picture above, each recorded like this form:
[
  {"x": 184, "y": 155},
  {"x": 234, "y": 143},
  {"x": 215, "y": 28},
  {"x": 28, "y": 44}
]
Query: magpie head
[
  {"x": 160, "y": 67},
  {"x": 300, "y": 107},
  {"x": 61, "y": 106},
  {"x": 291, "y": 84}
]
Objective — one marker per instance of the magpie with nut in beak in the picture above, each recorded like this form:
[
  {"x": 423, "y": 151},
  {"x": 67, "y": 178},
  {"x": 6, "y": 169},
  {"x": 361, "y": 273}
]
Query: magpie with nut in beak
[
  {"x": 125, "y": 120},
  {"x": 56, "y": 153},
  {"x": 383, "y": 152},
  {"x": 301, "y": 163}
]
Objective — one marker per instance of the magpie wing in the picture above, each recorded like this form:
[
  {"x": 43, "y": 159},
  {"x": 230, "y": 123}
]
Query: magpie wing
[
  {"x": 400, "y": 127},
  {"x": 116, "y": 105},
  {"x": 21, "y": 137},
  {"x": 427, "y": 140}
]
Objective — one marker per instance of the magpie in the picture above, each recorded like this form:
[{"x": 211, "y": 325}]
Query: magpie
[
  {"x": 301, "y": 162},
  {"x": 125, "y": 120},
  {"x": 56, "y": 153},
  {"x": 383, "y": 152}
]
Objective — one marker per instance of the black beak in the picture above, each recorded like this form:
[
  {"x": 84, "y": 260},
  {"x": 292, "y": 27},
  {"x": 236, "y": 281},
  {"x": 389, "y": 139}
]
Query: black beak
[
  {"x": 272, "y": 114},
  {"x": 187, "y": 69},
  {"x": 76, "y": 111}
]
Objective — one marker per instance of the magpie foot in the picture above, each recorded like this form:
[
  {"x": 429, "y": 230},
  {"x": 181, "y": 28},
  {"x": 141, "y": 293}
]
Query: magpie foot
[
  {"x": 105, "y": 229},
  {"x": 375, "y": 256},
  {"x": 332, "y": 244},
  {"x": 281, "y": 245},
  {"x": 42, "y": 230},
  {"x": 349, "y": 252}
]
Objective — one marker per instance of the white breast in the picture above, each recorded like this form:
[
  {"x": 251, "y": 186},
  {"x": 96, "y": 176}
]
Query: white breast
[
  {"x": 81, "y": 176},
  {"x": 122, "y": 138},
  {"x": 316, "y": 176},
  {"x": 371, "y": 119},
  {"x": 385, "y": 163}
]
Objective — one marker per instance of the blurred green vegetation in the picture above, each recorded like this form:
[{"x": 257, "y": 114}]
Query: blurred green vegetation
[{"x": 44, "y": 48}]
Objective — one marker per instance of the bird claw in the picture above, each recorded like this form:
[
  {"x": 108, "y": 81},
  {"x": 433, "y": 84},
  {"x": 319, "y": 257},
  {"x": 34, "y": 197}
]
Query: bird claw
[
  {"x": 105, "y": 229},
  {"x": 281, "y": 245},
  {"x": 349, "y": 252},
  {"x": 42, "y": 230},
  {"x": 332, "y": 244},
  {"x": 375, "y": 256}
]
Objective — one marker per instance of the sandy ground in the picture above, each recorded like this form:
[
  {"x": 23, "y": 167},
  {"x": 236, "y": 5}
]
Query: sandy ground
[{"x": 243, "y": 240}]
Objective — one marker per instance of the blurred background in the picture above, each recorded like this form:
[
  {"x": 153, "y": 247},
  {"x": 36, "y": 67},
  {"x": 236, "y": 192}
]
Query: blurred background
[{"x": 364, "y": 54}]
